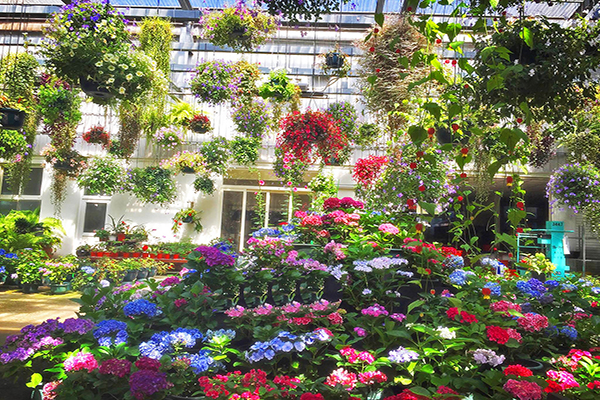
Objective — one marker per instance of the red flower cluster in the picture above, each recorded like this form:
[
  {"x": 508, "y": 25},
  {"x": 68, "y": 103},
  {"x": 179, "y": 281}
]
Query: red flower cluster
[
  {"x": 249, "y": 385},
  {"x": 199, "y": 123},
  {"x": 333, "y": 203},
  {"x": 97, "y": 135},
  {"x": 301, "y": 133},
  {"x": 368, "y": 170},
  {"x": 310, "y": 396},
  {"x": 501, "y": 335},
  {"x": 517, "y": 370},
  {"x": 532, "y": 322},
  {"x": 465, "y": 317},
  {"x": 407, "y": 395}
]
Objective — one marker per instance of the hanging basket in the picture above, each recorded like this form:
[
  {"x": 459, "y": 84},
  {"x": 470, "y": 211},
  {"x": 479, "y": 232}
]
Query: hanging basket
[
  {"x": 188, "y": 220},
  {"x": 200, "y": 129},
  {"x": 12, "y": 118},
  {"x": 188, "y": 170},
  {"x": 64, "y": 165},
  {"x": 92, "y": 89},
  {"x": 334, "y": 60}
]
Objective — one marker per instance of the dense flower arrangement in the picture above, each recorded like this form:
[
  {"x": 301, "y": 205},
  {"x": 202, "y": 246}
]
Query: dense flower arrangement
[
  {"x": 97, "y": 134},
  {"x": 216, "y": 153},
  {"x": 368, "y": 170},
  {"x": 310, "y": 135},
  {"x": 217, "y": 82},
  {"x": 199, "y": 123},
  {"x": 238, "y": 27},
  {"x": 103, "y": 175},
  {"x": 245, "y": 150},
  {"x": 341, "y": 320},
  {"x": 185, "y": 162},
  {"x": 152, "y": 185},
  {"x": 169, "y": 138},
  {"x": 574, "y": 186},
  {"x": 68, "y": 160},
  {"x": 252, "y": 118}
]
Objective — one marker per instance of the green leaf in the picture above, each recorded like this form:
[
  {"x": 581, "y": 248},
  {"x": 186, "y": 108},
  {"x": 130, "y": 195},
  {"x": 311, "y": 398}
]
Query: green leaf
[
  {"x": 527, "y": 36},
  {"x": 372, "y": 79},
  {"x": 420, "y": 391},
  {"x": 35, "y": 380},
  {"x": 495, "y": 167},
  {"x": 495, "y": 82},
  {"x": 417, "y": 134},
  {"x": 494, "y": 3},
  {"x": 457, "y": 46},
  {"x": 429, "y": 207},
  {"x": 379, "y": 18},
  {"x": 427, "y": 368},
  {"x": 433, "y": 108},
  {"x": 413, "y": 305},
  {"x": 454, "y": 110}
]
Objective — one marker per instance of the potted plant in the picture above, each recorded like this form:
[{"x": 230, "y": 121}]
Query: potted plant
[
  {"x": 97, "y": 135},
  {"x": 305, "y": 136},
  {"x": 238, "y": 27},
  {"x": 204, "y": 184},
  {"x": 187, "y": 216},
  {"x": 245, "y": 150},
  {"x": 302, "y": 10},
  {"x": 279, "y": 87},
  {"x": 335, "y": 63},
  {"x": 83, "y": 250},
  {"x": 59, "y": 272},
  {"x": 199, "y": 123},
  {"x": 169, "y": 137},
  {"x": 137, "y": 234},
  {"x": 70, "y": 161},
  {"x": 29, "y": 269},
  {"x": 89, "y": 42},
  {"x": 102, "y": 234},
  {"x": 13, "y": 144},
  {"x": 216, "y": 82},
  {"x": 185, "y": 162},
  {"x": 12, "y": 114},
  {"x": 216, "y": 155},
  {"x": 152, "y": 185},
  {"x": 103, "y": 175},
  {"x": 252, "y": 118}
]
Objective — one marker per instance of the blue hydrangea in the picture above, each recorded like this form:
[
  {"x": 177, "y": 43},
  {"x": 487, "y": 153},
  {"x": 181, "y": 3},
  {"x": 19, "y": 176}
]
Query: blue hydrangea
[
  {"x": 460, "y": 277},
  {"x": 141, "y": 307},
  {"x": 2, "y": 270},
  {"x": 263, "y": 232},
  {"x": 402, "y": 355},
  {"x": 88, "y": 270},
  {"x": 547, "y": 298},
  {"x": 532, "y": 287},
  {"x": 526, "y": 307},
  {"x": 596, "y": 290},
  {"x": 284, "y": 342},
  {"x": 106, "y": 329},
  {"x": 200, "y": 362},
  {"x": 494, "y": 287},
  {"x": 454, "y": 262},
  {"x": 493, "y": 263},
  {"x": 569, "y": 332},
  {"x": 230, "y": 333},
  {"x": 552, "y": 284},
  {"x": 569, "y": 287},
  {"x": 162, "y": 343},
  {"x": 552, "y": 331}
]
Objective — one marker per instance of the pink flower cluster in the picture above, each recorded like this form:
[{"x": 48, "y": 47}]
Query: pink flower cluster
[
  {"x": 180, "y": 302},
  {"x": 523, "y": 390},
  {"x": 290, "y": 308},
  {"x": 565, "y": 379},
  {"x": 170, "y": 281},
  {"x": 353, "y": 356},
  {"x": 333, "y": 203},
  {"x": 81, "y": 361},
  {"x": 533, "y": 322},
  {"x": 375, "y": 311},
  {"x": 372, "y": 377},
  {"x": 342, "y": 218},
  {"x": 115, "y": 366},
  {"x": 335, "y": 249},
  {"x": 389, "y": 228},
  {"x": 504, "y": 306},
  {"x": 571, "y": 360},
  {"x": 342, "y": 377}
]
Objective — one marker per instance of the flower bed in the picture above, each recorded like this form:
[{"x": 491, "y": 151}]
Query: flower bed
[{"x": 340, "y": 320}]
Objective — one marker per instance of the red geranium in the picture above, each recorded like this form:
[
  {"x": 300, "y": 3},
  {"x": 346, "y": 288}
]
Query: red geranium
[
  {"x": 98, "y": 135},
  {"x": 368, "y": 170}
]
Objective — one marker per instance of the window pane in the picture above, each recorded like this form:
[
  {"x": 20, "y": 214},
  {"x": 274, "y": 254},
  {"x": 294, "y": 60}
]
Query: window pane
[
  {"x": 33, "y": 186},
  {"x": 95, "y": 216},
  {"x": 252, "y": 218},
  {"x": 7, "y": 205},
  {"x": 278, "y": 208},
  {"x": 232, "y": 217}
]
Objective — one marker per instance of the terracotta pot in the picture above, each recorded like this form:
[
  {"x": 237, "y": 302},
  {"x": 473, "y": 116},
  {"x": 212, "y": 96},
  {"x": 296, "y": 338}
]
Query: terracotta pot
[
  {"x": 136, "y": 254},
  {"x": 125, "y": 254},
  {"x": 159, "y": 256},
  {"x": 99, "y": 254},
  {"x": 93, "y": 253},
  {"x": 166, "y": 256},
  {"x": 152, "y": 255},
  {"x": 175, "y": 256},
  {"x": 120, "y": 237},
  {"x": 145, "y": 255}
]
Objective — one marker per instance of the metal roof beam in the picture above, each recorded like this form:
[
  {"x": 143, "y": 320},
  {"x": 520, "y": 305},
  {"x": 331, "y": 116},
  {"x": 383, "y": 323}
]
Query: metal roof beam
[
  {"x": 379, "y": 6},
  {"x": 185, "y": 4}
]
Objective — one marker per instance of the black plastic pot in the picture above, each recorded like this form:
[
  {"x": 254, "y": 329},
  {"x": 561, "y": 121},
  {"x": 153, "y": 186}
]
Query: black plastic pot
[
  {"x": 12, "y": 118},
  {"x": 63, "y": 165},
  {"x": 188, "y": 220},
  {"x": 334, "y": 60},
  {"x": 188, "y": 170},
  {"x": 92, "y": 89}
]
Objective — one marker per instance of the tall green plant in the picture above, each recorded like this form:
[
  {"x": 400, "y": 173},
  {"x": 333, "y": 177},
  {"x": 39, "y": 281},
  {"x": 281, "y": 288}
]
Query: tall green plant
[
  {"x": 155, "y": 41},
  {"x": 24, "y": 229}
]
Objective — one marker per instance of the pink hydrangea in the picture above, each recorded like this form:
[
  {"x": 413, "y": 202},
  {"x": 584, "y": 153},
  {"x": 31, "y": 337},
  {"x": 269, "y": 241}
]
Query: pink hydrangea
[
  {"x": 532, "y": 322},
  {"x": 235, "y": 312},
  {"x": 565, "y": 379},
  {"x": 504, "y": 306},
  {"x": 115, "y": 366},
  {"x": 180, "y": 302},
  {"x": 372, "y": 377},
  {"x": 81, "y": 361},
  {"x": 342, "y": 377},
  {"x": 374, "y": 311},
  {"x": 389, "y": 228},
  {"x": 48, "y": 392},
  {"x": 523, "y": 390},
  {"x": 360, "y": 332}
]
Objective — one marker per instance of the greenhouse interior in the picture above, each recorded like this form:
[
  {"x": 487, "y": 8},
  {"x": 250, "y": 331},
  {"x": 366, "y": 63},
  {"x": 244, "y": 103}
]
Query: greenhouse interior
[{"x": 299, "y": 199}]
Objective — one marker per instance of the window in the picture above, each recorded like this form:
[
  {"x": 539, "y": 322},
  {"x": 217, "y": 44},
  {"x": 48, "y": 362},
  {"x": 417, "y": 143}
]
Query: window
[
  {"x": 28, "y": 199},
  {"x": 95, "y": 216},
  {"x": 240, "y": 215}
]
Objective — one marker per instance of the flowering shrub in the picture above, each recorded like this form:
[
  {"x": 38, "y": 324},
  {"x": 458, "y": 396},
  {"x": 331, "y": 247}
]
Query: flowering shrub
[
  {"x": 238, "y": 27},
  {"x": 199, "y": 123},
  {"x": 367, "y": 171},
  {"x": 574, "y": 186},
  {"x": 188, "y": 216},
  {"x": 185, "y": 162},
  {"x": 252, "y": 118}
]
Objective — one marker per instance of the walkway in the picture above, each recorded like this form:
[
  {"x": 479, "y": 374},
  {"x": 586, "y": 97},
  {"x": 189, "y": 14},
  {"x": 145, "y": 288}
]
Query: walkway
[{"x": 18, "y": 309}]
